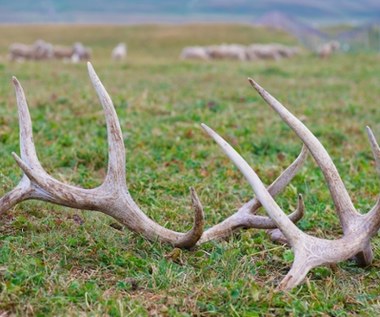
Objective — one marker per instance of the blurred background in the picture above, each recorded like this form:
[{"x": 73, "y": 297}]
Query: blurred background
[{"x": 355, "y": 24}]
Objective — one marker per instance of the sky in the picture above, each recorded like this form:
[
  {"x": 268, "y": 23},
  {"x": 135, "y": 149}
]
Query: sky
[{"x": 151, "y": 11}]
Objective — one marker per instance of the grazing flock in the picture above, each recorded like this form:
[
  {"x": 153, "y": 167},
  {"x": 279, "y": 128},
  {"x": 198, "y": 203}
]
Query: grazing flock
[
  {"x": 41, "y": 50},
  {"x": 240, "y": 52}
]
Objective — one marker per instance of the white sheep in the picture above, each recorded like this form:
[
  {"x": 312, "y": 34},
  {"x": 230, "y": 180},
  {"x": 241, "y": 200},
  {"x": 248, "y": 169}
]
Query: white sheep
[
  {"x": 80, "y": 53},
  {"x": 194, "y": 52},
  {"x": 42, "y": 50},
  {"x": 227, "y": 51},
  {"x": 20, "y": 52},
  {"x": 119, "y": 52},
  {"x": 327, "y": 49}
]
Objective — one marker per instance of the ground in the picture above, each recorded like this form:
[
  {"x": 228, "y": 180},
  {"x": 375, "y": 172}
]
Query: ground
[{"x": 56, "y": 261}]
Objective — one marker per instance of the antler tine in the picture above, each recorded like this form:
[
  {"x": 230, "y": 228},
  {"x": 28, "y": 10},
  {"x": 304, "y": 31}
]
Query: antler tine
[
  {"x": 24, "y": 190},
  {"x": 191, "y": 238},
  {"x": 375, "y": 148},
  {"x": 27, "y": 148},
  {"x": 31, "y": 166},
  {"x": 373, "y": 216},
  {"x": 288, "y": 228},
  {"x": 344, "y": 206},
  {"x": 116, "y": 159},
  {"x": 111, "y": 198},
  {"x": 245, "y": 217}
]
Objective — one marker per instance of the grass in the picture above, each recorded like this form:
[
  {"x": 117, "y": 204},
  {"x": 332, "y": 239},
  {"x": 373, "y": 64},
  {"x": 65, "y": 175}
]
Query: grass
[{"x": 56, "y": 261}]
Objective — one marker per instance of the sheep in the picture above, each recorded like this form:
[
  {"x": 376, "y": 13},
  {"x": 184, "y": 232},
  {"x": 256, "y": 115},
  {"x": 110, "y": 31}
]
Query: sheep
[
  {"x": 270, "y": 51},
  {"x": 80, "y": 53},
  {"x": 227, "y": 51},
  {"x": 327, "y": 49},
  {"x": 119, "y": 52},
  {"x": 262, "y": 51},
  {"x": 42, "y": 50},
  {"x": 39, "y": 50},
  {"x": 239, "y": 52},
  {"x": 62, "y": 52},
  {"x": 20, "y": 52},
  {"x": 285, "y": 51},
  {"x": 194, "y": 52}
]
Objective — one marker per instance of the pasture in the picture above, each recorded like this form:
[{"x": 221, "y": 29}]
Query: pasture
[{"x": 56, "y": 261}]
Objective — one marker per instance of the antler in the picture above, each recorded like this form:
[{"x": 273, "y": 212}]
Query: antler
[
  {"x": 245, "y": 217},
  {"x": 309, "y": 251},
  {"x": 111, "y": 197},
  {"x": 348, "y": 216}
]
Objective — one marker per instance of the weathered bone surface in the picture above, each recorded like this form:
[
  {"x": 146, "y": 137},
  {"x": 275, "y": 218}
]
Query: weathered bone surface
[
  {"x": 309, "y": 251},
  {"x": 245, "y": 216},
  {"x": 111, "y": 197}
]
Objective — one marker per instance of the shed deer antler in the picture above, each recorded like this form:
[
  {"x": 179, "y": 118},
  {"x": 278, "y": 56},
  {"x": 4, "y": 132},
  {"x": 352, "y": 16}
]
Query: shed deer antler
[
  {"x": 111, "y": 197},
  {"x": 309, "y": 251}
]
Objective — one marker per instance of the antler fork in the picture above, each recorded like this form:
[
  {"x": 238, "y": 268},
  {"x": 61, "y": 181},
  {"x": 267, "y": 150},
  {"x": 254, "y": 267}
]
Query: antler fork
[{"x": 111, "y": 197}]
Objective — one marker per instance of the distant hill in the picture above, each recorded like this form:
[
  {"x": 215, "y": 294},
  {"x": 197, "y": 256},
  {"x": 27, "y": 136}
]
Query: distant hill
[
  {"x": 365, "y": 37},
  {"x": 131, "y": 11},
  {"x": 306, "y": 34}
]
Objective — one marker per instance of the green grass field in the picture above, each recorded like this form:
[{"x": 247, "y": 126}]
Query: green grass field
[{"x": 56, "y": 261}]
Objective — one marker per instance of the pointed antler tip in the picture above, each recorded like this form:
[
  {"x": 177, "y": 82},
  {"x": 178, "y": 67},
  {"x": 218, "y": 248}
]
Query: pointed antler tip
[
  {"x": 301, "y": 206},
  {"x": 371, "y": 135},
  {"x": 21, "y": 163},
  {"x": 92, "y": 73},
  {"x": 15, "y": 81},
  {"x": 194, "y": 195},
  {"x": 198, "y": 209},
  {"x": 90, "y": 69},
  {"x": 254, "y": 84},
  {"x": 207, "y": 129},
  {"x": 16, "y": 157}
]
